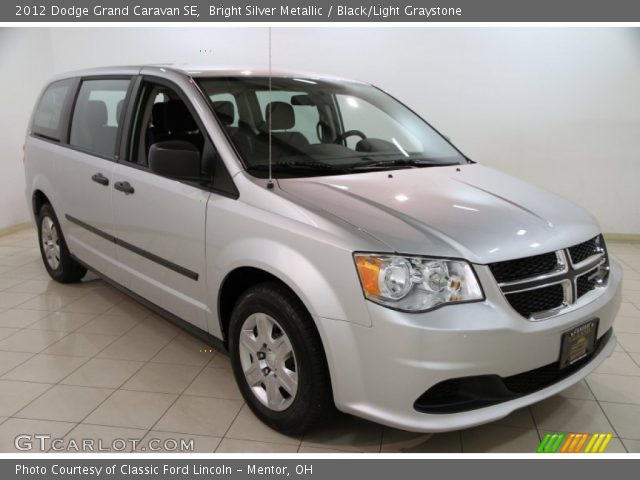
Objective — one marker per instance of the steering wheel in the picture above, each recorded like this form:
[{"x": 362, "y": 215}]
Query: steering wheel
[{"x": 349, "y": 133}]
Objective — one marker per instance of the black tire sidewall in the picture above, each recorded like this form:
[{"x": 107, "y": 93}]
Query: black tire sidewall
[
  {"x": 68, "y": 270},
  {"x": 290, "y": 315}
]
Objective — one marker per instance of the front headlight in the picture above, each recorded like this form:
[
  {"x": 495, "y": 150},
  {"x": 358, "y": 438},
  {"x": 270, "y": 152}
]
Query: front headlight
[{"x": 416, "y": 284}]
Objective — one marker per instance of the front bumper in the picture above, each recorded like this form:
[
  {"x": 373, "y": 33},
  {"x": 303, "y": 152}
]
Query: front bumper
[{"x": 379, "y": 372}]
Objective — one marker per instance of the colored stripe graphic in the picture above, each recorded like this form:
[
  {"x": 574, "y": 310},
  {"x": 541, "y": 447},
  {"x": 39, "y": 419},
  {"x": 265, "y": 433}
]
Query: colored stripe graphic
[
  {"x": 590, "y": 444},
  {"x": 581, "y": 443},
  {"x": 606, "y": 442},
  {"x": 551, "y": 442},
  {"x": 558, "y": 442},
  {"x": 598, "y": 443},
  {"x": 567, "y": 445}
]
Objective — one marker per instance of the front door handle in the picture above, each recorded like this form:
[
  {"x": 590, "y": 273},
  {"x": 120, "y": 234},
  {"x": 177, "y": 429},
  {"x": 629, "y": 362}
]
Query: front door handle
[
  {"x": 100, "y": 178},
  {"x": 124, "y": 187}
]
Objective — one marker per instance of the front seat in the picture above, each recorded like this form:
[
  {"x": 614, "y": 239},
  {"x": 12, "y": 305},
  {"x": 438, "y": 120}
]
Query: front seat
[
  {"x": 172, "y": 120},
  {"x": 282, "y": 121}
]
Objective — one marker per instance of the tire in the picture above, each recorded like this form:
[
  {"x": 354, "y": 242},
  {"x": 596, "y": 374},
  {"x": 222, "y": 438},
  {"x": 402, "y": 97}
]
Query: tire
[
  {"x": 312, "y": 399},
  {"x": 55, "y": 255}
]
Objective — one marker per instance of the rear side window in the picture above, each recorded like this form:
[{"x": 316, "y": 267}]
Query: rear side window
[
  {"x": 48, "y": 114},
  {"x": 97, "y": 115}
]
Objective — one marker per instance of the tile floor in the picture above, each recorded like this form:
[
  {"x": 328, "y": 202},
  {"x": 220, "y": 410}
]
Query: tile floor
[{"x": 84, "y": 361}]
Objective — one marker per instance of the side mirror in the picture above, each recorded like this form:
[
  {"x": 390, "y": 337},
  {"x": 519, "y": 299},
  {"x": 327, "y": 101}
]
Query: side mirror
[{"x": 175, "y": 159}]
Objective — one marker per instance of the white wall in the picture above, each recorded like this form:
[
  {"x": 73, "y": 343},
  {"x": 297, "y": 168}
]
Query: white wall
[
  {"x": 558, "y": 107},
  {"x": 75, "y": 48},
  {"x": 25, "y": 63}
]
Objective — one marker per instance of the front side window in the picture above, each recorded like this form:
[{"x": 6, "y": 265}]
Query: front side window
[
  {"x": 162, "y": 116},
  {"x": 168, "y": 141},
  {"x": 48, "y": 114},
  {"x": 317, "y": 127},
  {"x": 97, "y": 114}
]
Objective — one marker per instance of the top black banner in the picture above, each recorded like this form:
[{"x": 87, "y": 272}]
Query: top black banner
[{"x": 201, "y": 11}]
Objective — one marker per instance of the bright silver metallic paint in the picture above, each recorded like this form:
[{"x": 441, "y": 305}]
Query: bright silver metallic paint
[{"x": 304, "y": 231}]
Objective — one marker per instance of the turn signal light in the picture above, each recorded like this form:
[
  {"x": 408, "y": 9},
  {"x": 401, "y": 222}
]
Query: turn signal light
[{"x": 369, "y": 270}]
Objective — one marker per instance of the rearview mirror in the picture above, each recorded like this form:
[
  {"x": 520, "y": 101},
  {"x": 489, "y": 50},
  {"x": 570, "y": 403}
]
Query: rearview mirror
[
  {"x": 311, "y": 100},
  {"x": 175, "y": 158}
]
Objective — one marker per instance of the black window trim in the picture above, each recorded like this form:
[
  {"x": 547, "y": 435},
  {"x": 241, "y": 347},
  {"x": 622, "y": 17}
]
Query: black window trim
[
  {"x": 127, "y": 99},
  {"x": 127, "y": 141}
]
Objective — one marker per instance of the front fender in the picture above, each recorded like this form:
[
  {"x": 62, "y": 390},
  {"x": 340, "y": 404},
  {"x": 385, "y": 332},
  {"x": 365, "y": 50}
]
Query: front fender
[
  {"x": 310, "y": 254},
  {"x": 316, "y": 285},
  {"x": 329, "y": 289}
]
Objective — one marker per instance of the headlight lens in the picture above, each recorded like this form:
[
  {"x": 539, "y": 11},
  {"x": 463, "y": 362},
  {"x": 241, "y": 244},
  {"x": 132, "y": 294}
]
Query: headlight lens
[{"x": 415, "y": 284}]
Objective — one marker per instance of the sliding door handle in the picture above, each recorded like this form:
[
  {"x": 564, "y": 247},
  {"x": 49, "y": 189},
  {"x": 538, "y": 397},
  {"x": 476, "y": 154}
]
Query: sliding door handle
[
  {"x": 124, "y": 187},
  {"x": 101, "y": 179}
]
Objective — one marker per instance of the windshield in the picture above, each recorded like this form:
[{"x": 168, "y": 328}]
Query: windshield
[{"x": 322, "y": 127}]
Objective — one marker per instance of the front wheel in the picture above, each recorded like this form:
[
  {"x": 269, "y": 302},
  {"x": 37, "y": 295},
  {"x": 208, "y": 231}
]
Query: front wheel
[
  {"x": 56, "y": 257},
  {"x": 278, "y": 360}
]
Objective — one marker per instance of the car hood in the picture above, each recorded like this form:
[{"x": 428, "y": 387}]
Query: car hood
[{"x": 467, "y": 211}]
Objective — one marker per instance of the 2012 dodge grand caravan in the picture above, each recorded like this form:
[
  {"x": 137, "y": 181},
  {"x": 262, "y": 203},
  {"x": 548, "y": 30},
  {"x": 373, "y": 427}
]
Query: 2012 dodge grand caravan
[{"x": 343, "y": 251}]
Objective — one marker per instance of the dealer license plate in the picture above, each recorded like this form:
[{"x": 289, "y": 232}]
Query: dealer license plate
[{"x": 578, "y": 343}]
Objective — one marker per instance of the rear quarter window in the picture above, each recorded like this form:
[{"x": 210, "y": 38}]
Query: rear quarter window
[{"x": 47, "y": 118}]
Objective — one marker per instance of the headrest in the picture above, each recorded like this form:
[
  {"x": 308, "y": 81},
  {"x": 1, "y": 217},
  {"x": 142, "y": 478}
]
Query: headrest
[
  {"x": 173, "y": 116},
  {"x": 96, "y": 113},
  {"x": 225, "y": 111},
  {"x": 282, "y": 116},
  {"x": 119, "y": 111}
]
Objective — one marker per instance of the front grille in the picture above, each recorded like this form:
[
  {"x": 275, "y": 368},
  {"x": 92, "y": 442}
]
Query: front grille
[
  {"x": 529, "y": 302},
  {"x": 584, "y": 285},
  {"x": 592, "y": 279},
  {"x": 520, "y": 268},
  {"x": 587, "y": 249},
  {"x": 470, "y": 393},
  {"x": 537, "y": 286}
]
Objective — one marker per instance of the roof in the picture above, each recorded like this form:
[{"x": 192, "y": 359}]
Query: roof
[{"x": 204, "y": 71}]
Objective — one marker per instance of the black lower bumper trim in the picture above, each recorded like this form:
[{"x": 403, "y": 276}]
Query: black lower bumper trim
[{"x": 470, "y": 393}]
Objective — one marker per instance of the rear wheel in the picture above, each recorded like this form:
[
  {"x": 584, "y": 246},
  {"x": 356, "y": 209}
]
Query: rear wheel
[
  {"x": 56, "y": 257},
  {"x": 278, "y": 359}
]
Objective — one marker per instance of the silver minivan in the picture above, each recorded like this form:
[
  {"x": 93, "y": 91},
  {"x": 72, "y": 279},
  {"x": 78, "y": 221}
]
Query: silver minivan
[{"x": 342, "y": 251}]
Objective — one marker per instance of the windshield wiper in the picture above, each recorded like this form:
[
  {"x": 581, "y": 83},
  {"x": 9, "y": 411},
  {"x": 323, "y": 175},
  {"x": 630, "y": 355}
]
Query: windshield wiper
[
  {"x": 399, "y": 163},
  {"x": 298, "y": 165}
]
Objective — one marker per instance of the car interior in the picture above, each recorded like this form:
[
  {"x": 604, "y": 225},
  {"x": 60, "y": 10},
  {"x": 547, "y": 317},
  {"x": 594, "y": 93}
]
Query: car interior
[
  {"x": 93, "y": 132},
  {"x": 303, "y": 126},
  {"x": 164, "y": 117}
]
